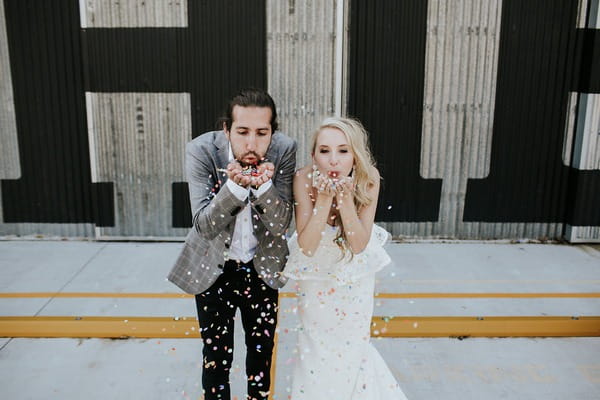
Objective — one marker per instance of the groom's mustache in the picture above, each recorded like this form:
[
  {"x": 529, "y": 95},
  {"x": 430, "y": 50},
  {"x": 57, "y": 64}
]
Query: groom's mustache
[{"x": 258, "y": 158}]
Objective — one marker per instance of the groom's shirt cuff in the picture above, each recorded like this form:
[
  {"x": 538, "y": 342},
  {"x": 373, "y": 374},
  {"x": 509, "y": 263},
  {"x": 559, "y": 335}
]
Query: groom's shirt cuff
[
  {"x": 238, "y": 191},
  {"x": 262, "y": 188}
]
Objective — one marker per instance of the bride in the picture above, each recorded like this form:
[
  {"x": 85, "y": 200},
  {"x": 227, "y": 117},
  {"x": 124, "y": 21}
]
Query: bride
[{"x": 334, "y": 255}]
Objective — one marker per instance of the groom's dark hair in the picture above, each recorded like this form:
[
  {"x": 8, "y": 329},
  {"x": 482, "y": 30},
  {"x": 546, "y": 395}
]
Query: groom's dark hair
[{"x": 249, "y": 97}]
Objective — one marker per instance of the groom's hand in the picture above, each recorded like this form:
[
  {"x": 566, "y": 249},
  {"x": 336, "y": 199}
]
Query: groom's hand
[
  {"x": 264, "y": 173},
  {"x": 234, "y": 172}
]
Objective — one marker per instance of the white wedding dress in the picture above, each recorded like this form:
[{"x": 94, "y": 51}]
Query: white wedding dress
[{"x": 336, "y": 359}]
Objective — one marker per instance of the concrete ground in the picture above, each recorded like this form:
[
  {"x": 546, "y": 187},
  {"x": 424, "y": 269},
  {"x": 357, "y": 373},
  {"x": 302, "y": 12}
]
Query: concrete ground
[{"x": 426, "y": 368}]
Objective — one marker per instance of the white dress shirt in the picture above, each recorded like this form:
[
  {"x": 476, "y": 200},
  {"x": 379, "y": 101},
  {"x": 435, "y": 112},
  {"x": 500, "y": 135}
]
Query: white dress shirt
[{"x": 243, "y": 242}]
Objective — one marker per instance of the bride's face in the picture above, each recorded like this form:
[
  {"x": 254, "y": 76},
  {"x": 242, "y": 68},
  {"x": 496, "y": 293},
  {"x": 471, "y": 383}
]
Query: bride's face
[{"x": 333, "y": 155}]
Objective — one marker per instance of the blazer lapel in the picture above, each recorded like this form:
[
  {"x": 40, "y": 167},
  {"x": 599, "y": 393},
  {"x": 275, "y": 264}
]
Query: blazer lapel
[
  {"x": 222, "y": 156},
  {"x": 271, "y": 155}
]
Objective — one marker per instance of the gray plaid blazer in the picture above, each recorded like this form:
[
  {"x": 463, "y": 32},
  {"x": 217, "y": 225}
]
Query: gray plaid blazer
[{"x": 215, "y": 207}]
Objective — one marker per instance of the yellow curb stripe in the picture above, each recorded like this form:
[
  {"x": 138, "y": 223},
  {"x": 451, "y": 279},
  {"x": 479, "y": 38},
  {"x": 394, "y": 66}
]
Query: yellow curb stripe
[
  {"x": 485, "y": 295},
  {"x": 390, "y": 327},
  {"x": 95, "y": 295},
  {"x": 511, "y": 281},
  {"x": 485, "y": 326},
  {"x": 274, "y": 361},
  {"x": 293, "y": 295},
  {"x": 99, "y": 327}
]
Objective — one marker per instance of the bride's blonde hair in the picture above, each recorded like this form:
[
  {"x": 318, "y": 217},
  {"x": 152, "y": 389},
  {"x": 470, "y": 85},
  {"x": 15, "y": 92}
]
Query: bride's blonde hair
[{"x": 364, "y": 174}]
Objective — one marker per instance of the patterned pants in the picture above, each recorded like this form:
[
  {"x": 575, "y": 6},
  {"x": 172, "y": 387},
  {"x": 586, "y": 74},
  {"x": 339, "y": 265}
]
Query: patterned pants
[{"x": 239, "y": 286}]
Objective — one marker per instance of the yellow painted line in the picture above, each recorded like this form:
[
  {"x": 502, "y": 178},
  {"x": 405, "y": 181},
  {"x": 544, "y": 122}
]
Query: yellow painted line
[
  {"x": 485, "y": 295},
  {"x": 274, "y": 360},
  {"x": 511, "y": 281},
  {"x": 392, "y": 327},
  {"x": 95, "y": 295},
  {"x": 99, "y": 327},
  {"x": 293, "y": 295},
  {"x": 485, "y": 326}
]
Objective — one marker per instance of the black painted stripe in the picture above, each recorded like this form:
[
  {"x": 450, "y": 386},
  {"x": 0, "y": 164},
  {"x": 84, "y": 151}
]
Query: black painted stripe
[
  {"x": 528, "y": 182},
  {"x": 588, "y": 78},
  {"x": 45, "y": 54},
  {"x": 386, "y": 83}
]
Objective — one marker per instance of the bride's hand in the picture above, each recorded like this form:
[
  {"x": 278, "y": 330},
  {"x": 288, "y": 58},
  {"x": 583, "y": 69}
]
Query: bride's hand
[
  {"x": 344, "y": 189},
  {"x": 324, "y": 186}
]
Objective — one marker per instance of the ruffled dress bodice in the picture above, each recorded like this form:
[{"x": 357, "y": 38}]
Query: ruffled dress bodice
[{"x": 328, "y": 264}]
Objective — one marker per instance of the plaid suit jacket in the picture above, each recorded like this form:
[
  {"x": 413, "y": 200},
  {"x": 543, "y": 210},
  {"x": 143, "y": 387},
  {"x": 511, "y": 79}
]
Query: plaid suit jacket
[{"x": 215, "y": 207}]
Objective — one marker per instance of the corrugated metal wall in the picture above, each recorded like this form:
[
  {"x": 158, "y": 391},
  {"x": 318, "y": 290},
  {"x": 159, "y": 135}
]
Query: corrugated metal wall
[
  {"x": 584, "y": 153},
  {"x": 126, "y": 84},
  {"x": 478, "y": 127},
  {"x": 586, "y": 157},
  {"x": 461, "y": 59},
  {"x": 133, "y": 13},
  {"x": 53, "y": 194},
  {"x": 9, "y": 149},
  {"x": 10, "y": 167},
  {"x": 474, "y": 147},
  {"x": 301, "y": 40},
  {"x": 137, "y": 141}
]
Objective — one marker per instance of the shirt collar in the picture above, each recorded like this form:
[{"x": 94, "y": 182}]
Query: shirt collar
[{"x": 230, "y": 152}]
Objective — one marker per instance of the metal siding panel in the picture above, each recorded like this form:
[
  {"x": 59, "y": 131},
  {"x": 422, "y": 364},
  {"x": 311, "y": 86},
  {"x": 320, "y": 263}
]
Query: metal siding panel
[
  {"x": 476, "y": 231},
  {"x": 570, "y": 128},
  {"x": 586, "y": 165},
  {"x": 594, "y": 14},
  {"x": 301, "y": 49},
  {"x": 460, "y": 76},
  {"x": 586, "y": 149},
  {"x": 133, "y": 13},
  {"x": 138, "y": 141},
  {"x": 583, "y": 234},
  {"x": 590, "y": 150},
  {"x": 10, "y": 167},
  {"x": 46, "y": 231}
]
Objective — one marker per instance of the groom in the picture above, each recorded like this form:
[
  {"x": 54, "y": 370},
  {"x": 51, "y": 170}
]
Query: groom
[{"x": 240, "y": 182}]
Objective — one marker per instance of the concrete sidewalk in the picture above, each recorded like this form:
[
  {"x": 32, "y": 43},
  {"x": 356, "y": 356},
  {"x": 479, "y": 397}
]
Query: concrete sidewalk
[{"x": 427, "y": 368}]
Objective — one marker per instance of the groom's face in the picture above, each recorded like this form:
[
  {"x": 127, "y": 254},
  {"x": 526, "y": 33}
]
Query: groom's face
[{"x": 250, "y": 134}]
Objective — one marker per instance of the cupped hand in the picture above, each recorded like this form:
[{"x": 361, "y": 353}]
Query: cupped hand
[
  {"x": 324, "y": 186},
  {"x": 234, "y": 172},
  {"x": 344, "y": 189},
  {"x": 264, "y": 173}
]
